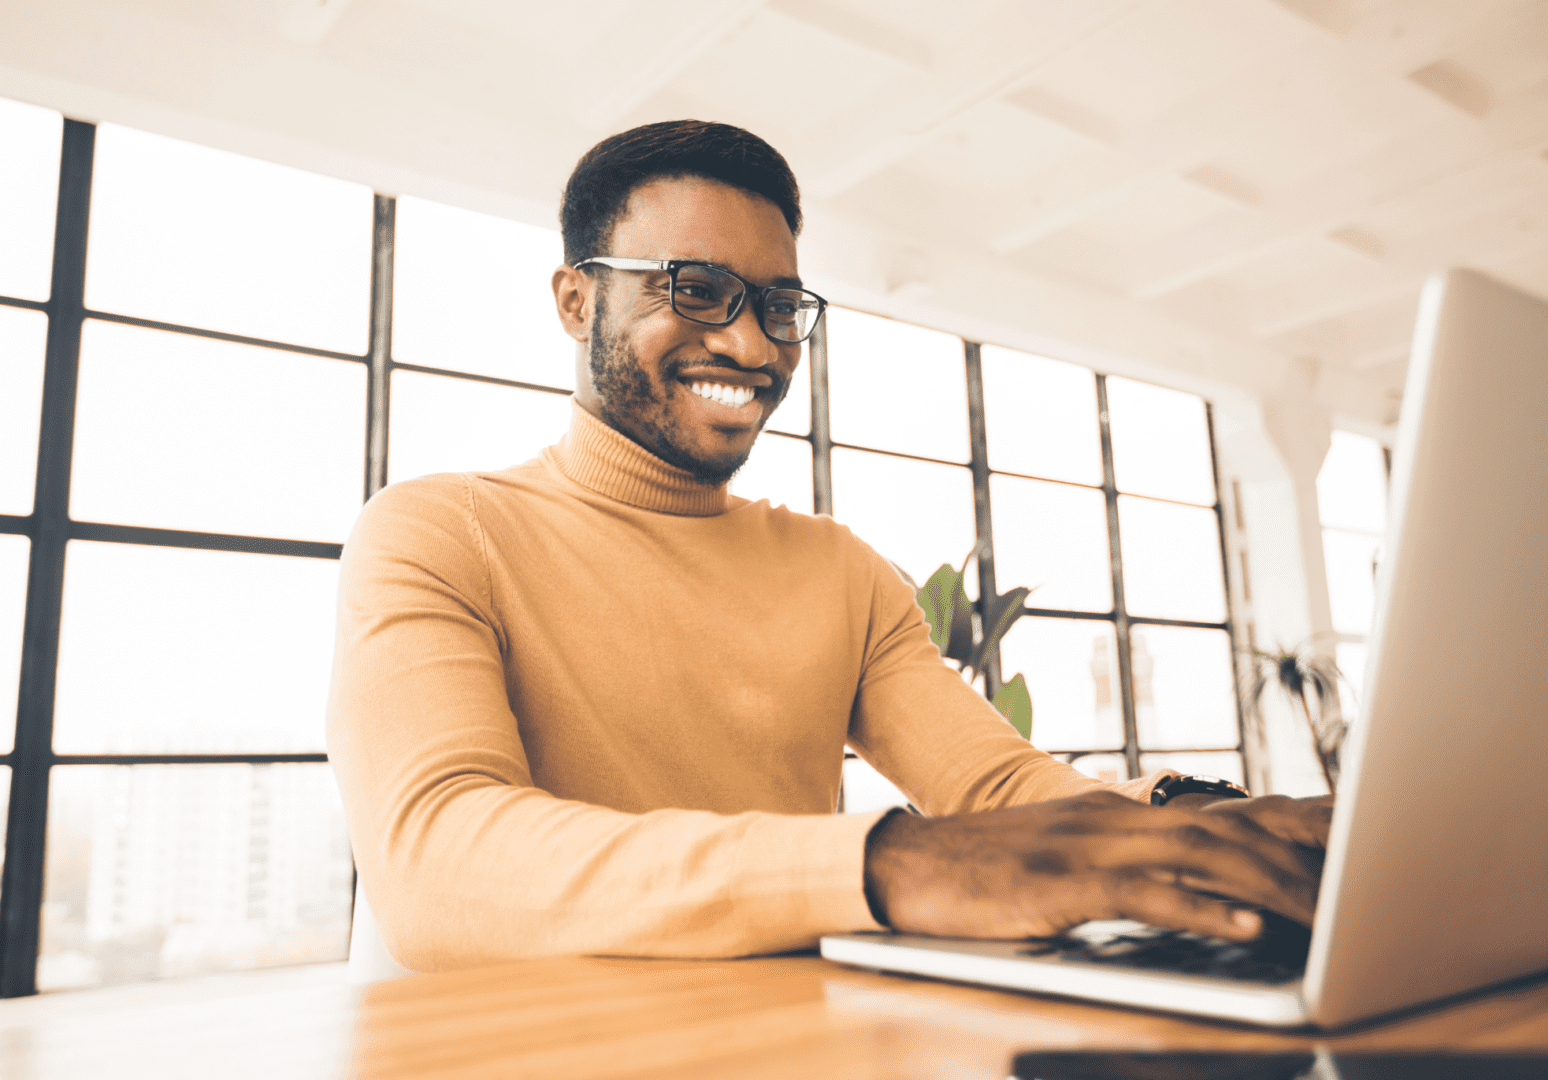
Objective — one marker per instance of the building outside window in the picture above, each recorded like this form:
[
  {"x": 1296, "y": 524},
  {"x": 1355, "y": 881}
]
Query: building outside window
[{"x": 212, "y": 361}]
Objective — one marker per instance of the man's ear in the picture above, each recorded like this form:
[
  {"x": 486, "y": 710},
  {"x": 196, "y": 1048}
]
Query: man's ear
[{"x": 572, "y": 297}]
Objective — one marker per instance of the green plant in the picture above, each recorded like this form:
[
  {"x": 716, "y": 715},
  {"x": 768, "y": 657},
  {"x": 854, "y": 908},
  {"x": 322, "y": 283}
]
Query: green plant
[
  {"x": 1303, "y": 676},
  {"x": 969, "y": 637}
]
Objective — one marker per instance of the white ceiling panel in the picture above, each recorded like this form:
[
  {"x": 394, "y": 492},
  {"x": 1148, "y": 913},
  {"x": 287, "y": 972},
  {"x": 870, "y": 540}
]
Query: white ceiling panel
[
  {"x": 1162, "y": 52},
  {"x": 1263, "y": 179}
]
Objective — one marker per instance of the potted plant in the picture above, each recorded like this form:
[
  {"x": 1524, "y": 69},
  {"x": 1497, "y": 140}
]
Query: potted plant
[
  {"x": 969, "y": 637},
  {"x": 1305, "y": 678}
]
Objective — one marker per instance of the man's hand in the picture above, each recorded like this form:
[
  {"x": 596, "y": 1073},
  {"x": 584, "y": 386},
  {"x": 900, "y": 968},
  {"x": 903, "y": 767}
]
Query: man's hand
[
  {"x": 1037, "y": 870},
  {"x": 1300, "y": 821}
]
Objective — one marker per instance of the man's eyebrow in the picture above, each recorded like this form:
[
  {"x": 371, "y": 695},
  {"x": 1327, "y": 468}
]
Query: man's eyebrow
[{"x": 776, "y": 283}]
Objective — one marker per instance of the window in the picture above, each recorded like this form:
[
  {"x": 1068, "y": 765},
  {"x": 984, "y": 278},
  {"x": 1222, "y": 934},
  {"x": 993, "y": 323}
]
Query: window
[
  {"x": 1352, "y": 503},
  {"x": 195, "y": 402},
  {"x": 216, "y": 413},
  {"x": 1101, "y": 498}
]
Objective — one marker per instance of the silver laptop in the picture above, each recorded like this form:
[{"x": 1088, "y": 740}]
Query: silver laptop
[{"x": 1436, "y": 879}]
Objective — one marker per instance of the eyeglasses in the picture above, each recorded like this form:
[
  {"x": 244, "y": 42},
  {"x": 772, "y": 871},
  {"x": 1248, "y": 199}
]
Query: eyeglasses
[{"x": 708, "y": 294}]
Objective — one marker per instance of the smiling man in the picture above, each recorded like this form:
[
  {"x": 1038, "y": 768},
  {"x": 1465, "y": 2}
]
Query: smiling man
[{"x": 594, "y": 703}]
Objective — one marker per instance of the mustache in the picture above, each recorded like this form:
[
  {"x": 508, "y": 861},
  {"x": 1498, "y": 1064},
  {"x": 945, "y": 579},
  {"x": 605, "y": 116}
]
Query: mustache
[{"x": 779, "y": 382}]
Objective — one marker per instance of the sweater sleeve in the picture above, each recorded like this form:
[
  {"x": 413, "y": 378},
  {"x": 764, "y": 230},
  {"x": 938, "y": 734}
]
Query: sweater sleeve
[
  {"x": 463, "y": 859},
  {"x": 939, "y": 740}
]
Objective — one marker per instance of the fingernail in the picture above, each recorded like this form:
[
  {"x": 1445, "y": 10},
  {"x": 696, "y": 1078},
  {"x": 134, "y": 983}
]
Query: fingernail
[{"x": 1247, "y": 920}]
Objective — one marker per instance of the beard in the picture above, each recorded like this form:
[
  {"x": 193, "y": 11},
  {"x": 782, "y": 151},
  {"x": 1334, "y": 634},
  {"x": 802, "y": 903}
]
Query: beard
[{"x": 628, "y": 399}]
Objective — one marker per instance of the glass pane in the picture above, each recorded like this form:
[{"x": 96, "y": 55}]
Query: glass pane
[
  {"x": 173, "y": 650},
  {"x": 14, "y": 552},
  {"x": 5, "y": 809},
  {"x": 29, "y": 197},
  {"x": 779, "y": 470},
  {"x": 199, "y": 237},
  {"x": 1171, "y": 560},
  {"x": 1351, "y": 566},
  {"x": 916, "y": 513},
  {"x": 1108, "y": 768},
  {"x": 1071, "y": 666},
  {"x": 897, "y": 387},
  {"x": 1226, "y": 764},
  {"x": 23, "y": 337},
  {"x": 444, "y": 424},
  {"x": 1352, "y": 484},
  {"x": 1053, "y": 537},
  {"x": 794, "y": 415},
  {"x": 158, "y": 871},
  {"x": 1040, "y": 417},
  {"x": 866, "y": 790},
  {"x": 1160, "y": 442},
  {"x": 1350, "y": 657},
  {"x": 1184, "y": 687},
  {"x": 185, "y": 432},
  {"x": 472, "y": 292}
]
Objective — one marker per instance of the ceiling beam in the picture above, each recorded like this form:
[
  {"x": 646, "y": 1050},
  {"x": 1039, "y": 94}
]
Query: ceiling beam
[
  {"x": 1002, "y": 52},
  {"x": 1383, "y": 355},
  {"x": 691, "y": 40},
  {"x": 1492, "y": 232},
  {"x": 873, "y": 35},
  {"x": 1180, "y": 140},
  {"x": 310, "y": 21},
  {"x": 1333, "y": 198}
]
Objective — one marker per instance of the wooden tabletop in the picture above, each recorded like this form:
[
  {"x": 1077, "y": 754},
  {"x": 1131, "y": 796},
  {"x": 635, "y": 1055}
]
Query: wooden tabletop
[{"x": 582, "y": 1018}]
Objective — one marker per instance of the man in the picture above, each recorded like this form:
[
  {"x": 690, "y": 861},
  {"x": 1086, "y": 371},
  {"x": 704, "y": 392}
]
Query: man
[{"x": 596, "y": 704}]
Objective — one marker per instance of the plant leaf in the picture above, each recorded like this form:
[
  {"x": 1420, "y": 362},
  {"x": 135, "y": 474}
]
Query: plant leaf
[
  {"x": 948, "y": 612},
  {"x": 1014, "y": 701},
  {"x": 999, "y": 615}
]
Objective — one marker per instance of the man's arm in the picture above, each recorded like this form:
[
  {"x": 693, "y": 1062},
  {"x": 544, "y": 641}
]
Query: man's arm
[
  {"x": 1036, "y": 871},
  {"x": 464, "y": 859},
  {"x": 933, "y": 735},
  {"x": 1022, "y": 845}
]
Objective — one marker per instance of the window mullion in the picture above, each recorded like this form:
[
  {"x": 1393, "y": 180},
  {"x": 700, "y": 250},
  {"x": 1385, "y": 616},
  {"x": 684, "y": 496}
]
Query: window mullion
[
  {"x": 1120, "y": 611},
  {"x": 21, "y": 895},
  {"x": 1225, "y": 577},
  {"x": 978, "y": 444},
  {"x": 822, "y": 431},
  {"x": 379, "y": 353}
]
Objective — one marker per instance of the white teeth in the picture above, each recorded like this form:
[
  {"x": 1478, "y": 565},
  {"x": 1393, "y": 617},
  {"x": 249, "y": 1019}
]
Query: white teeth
[{"x": 733, "y": 396}]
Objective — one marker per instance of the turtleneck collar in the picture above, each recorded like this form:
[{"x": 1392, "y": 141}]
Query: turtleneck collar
[{"x": 612, "y": 464}]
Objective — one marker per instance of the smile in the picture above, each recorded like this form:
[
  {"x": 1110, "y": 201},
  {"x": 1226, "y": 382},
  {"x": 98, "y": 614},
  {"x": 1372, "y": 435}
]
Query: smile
[{"x": 733, "y": 396}]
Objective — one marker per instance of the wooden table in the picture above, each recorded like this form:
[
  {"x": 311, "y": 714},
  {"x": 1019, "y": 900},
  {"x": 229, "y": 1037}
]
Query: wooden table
[{"x": 584, "y": 1018}]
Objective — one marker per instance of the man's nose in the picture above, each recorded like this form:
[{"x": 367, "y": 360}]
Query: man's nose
[{"x": 743, "y": 339}]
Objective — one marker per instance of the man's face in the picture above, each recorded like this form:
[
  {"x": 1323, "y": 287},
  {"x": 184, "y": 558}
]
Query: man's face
[{"x": 645, "y": 360}]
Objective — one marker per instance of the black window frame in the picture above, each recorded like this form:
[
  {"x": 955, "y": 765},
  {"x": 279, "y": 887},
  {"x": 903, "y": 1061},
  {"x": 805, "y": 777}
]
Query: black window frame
[{"x": 49, "y": 528}]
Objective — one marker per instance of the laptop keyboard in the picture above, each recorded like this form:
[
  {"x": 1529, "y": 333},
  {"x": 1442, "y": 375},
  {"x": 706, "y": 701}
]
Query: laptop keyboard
[{"x": 1278, "y": 954}]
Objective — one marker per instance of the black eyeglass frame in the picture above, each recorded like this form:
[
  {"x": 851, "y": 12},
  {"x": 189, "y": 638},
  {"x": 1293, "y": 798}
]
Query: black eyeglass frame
[{"x": 759, "y": 293}]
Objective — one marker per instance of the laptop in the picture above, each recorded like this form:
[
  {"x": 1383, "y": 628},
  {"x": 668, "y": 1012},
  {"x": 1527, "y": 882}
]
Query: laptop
[{"x": 1436, "y": 877}]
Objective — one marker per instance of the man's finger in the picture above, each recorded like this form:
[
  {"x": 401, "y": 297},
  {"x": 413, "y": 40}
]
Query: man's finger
[
  {"x": 1213, "y": 859},
  {"x": 1137, "y": 895},
  {"x": 1300, "y": 821}
]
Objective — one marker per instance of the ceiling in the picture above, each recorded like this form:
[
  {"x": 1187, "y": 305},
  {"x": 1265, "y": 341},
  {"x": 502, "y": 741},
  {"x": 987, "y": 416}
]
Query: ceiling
[{"x": 1206, "y": 192}]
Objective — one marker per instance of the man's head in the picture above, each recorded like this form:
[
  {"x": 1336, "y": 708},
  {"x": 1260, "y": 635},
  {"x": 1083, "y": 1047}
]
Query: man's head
[{"x": 678, "y": 190}]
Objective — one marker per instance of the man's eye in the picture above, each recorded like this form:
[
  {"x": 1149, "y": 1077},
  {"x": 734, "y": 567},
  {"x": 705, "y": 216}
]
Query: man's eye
[{"x": 695, "y": 292}]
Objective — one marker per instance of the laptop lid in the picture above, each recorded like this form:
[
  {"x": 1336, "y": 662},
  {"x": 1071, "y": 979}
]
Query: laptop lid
[{"x": 1437, "y": 870}]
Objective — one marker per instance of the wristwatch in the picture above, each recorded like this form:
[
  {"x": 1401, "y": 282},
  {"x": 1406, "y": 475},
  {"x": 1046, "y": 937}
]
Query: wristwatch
[{"x": 1174, "y": 786}]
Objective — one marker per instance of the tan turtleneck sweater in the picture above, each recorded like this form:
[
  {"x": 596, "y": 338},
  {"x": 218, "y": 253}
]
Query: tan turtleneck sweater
[{"x": 585, "y": 705}]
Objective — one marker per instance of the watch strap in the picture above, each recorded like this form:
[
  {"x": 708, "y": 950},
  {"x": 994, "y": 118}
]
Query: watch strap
[{"x": 1174, "y": 786}]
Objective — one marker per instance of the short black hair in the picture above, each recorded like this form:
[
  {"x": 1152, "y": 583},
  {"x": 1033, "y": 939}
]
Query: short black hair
[{"x": 599, "y": 188}]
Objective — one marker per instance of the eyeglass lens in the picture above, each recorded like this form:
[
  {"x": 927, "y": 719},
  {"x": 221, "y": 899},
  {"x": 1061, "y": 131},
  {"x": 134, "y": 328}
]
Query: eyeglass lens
[{"x": 708, "y": 294}]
